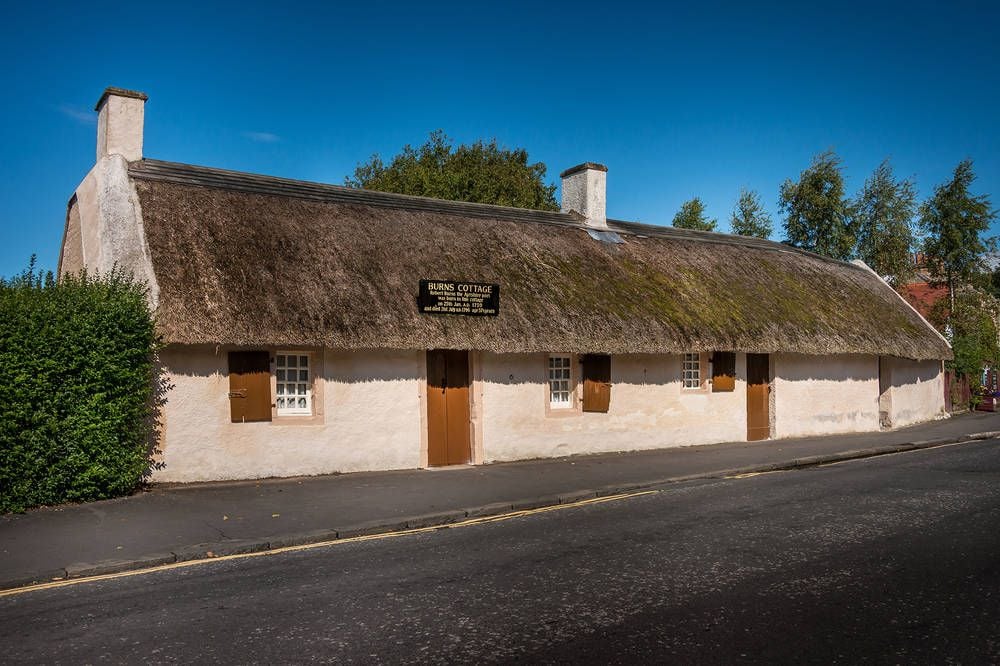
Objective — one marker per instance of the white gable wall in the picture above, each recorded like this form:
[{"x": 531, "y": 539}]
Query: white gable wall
[{"x": 104, "y": 226}]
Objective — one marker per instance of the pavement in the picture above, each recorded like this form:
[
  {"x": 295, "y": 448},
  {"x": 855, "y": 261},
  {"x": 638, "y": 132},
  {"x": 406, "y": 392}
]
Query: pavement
[{"x": 173, "y": 523}]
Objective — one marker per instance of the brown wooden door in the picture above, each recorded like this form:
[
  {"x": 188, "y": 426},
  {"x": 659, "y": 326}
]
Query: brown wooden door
[
  {"x": 448, "y": 412},
  {"x": 758, "y": 397}
]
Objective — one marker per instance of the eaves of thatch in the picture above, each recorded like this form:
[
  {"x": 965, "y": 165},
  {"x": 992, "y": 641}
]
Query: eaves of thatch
[{"x": 251, "y": 260}]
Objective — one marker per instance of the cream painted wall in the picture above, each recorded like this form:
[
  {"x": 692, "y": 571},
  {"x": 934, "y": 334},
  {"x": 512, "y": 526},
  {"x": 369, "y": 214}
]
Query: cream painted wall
[
  {"x": 817, "y": 395},
  {"x": 373, "y": 404},
  {"x": 105, "y": 227},
  {"x": 916, "y": 390},
  {"x": 371, "y": 419},
  {"x": 648, "y": 409}
]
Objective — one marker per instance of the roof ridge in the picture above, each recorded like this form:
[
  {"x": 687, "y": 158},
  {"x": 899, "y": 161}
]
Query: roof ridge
[{"x": 150, "y": 169}]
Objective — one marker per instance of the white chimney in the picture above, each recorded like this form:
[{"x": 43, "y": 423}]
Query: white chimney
[
  {"x": 584, "y": 191},
  {"x": 119, "y": 123}
]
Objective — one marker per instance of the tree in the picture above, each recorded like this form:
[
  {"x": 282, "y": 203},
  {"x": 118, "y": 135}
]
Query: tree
[
  {"x": 692, "y": 216},
  {"x": 482, "y": 172},
  {"x": 816, "y": 209},
  {"x": 883, "y": 222},
  {"x": 953, "y": 220},
  {"x": 970, "y": 321},
  {"x": 749, "y": 217}
]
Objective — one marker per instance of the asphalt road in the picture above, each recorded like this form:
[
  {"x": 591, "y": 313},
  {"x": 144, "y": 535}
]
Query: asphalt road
[{"x": 894, "y": 559}]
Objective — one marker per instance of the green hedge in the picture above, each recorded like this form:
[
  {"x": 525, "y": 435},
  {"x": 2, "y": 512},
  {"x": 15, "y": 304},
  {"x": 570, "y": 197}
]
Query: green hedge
[{"x": 77, "y": 388}]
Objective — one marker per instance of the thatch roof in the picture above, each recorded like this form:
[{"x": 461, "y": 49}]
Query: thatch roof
[{"x": 252, "y": 260}]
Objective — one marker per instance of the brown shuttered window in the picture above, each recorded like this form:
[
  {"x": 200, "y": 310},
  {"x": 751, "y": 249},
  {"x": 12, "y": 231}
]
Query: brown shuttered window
[
  {"x": 723, "y": 372},
  {"x": 250, "y": 386},
  {"x": 596, "y": 382}
]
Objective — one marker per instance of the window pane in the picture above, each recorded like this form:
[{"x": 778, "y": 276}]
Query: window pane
[
  {"x": 559, "y": 381},
  {"x": 292, "y": 383},
  {"x": 691, "y": 371}
]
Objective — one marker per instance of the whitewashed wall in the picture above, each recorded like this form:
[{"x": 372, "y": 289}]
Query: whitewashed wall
[
  {"x": 104, "y": 227},
  {"x": 649, "y": 409},
  {"x": 373, "y": 404},
  {"x": 916, "y": 390},
  {"x": 819, "y": 395},
  {"x": 371, "y": 420}
]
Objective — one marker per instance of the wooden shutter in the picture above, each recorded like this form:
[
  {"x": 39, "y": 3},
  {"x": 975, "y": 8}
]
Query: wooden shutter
[
  {"x": 250, "y": 386},
  {"x": 723, "y": 372},
  {"x": 596, "y": 382}
]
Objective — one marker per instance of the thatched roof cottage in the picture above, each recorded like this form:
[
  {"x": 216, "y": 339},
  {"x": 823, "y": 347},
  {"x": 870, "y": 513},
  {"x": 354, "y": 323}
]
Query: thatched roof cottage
[{"x": 313, "y": 328}]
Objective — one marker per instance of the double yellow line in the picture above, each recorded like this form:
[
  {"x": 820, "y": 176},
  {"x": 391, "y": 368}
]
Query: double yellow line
[{"x": 322, "y": 544}]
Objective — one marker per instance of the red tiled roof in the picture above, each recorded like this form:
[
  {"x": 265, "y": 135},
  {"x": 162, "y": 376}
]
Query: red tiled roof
[{"x": 923, "y": 296}]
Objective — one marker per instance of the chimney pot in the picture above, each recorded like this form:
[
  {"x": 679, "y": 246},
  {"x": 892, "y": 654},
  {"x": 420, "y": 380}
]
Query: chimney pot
[
  {"x": 584, "y": 191},
  {"x": 119, "y": 123}
]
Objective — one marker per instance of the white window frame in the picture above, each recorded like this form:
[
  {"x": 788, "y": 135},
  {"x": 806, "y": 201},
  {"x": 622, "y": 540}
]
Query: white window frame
[
  {"x": 282, "y": 383},
  {"x": 563, "y": 365},
  {"x": 691, "y": 375}
]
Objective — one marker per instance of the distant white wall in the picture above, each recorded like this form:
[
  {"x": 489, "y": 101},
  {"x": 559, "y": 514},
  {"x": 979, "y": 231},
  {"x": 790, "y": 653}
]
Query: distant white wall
[
  {"x": 371, "y": 419},
  {"x": 819, "y": 395},
  {"x": 915, "y": 390},
  {"x": 649, "y": 409}
]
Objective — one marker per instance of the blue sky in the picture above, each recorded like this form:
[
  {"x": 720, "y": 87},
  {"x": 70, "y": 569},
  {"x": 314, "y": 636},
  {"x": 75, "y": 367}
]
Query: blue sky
[{"x": 692, "y": 99}]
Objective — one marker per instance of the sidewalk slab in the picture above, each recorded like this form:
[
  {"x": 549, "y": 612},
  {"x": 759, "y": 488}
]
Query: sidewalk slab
[{"x": 189, "y": 521}]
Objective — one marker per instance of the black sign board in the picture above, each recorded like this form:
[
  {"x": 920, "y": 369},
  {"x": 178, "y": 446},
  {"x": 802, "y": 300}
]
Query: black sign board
[{"x": 474, "y": 299}]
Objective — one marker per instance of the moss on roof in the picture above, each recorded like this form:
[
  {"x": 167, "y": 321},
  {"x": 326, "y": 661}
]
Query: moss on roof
[{"x": 302, "y": 264}]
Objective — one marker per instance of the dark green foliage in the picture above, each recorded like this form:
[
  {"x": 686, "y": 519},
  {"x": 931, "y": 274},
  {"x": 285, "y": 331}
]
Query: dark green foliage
[
  {"x": 954, "y": 220},
  {"x": 817, "y": 211},
  {"x": 972, "y": 326},
  {"x": 692, "y": 216},
  {"x": 480, "y": 173},
  {"x": 77, "y": 403},
  {"x": 749, "y": 217},
  {"x": 883, "y": 219}
]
